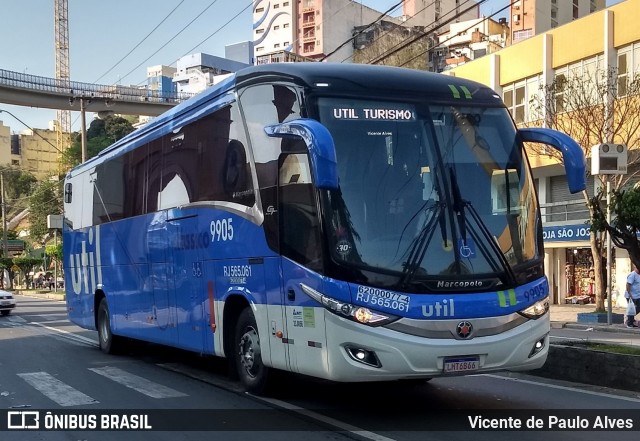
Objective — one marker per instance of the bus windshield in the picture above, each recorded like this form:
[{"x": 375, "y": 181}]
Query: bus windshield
[{"x": 427, "y": 191}]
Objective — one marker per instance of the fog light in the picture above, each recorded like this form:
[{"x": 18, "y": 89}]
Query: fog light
[
  {"x": 363, "y": 356},
  {"x": 538, "y": 346}
]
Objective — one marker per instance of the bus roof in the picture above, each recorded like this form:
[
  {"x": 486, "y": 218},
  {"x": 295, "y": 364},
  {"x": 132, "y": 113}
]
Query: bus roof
[
  {"x": 367, "y": 79},
  {"x": 334, "y": 78}
]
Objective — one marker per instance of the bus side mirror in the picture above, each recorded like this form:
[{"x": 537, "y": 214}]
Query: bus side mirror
[
  {"x": 319, "y": 142},
  {"x": 575, "y": 164}
]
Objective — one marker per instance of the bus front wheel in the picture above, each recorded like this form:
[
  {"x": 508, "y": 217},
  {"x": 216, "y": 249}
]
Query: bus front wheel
[
  {"x": 109, "y": 343},
  {"x": 252, "y": 372}
]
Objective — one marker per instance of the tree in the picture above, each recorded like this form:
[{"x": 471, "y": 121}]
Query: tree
[
  {"x": 593, "y": 109},
  {"x": 625, "y": 220},
  {"x": 100, "y": 135},
  {"x": 26, "y": 265},
  {"x": 44, "y": 200},
  {"x": 54, "y": 253}
]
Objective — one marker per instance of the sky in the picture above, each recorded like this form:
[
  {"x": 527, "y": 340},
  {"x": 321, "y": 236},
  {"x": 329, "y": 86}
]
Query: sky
[{"x": 106, "y": 40}]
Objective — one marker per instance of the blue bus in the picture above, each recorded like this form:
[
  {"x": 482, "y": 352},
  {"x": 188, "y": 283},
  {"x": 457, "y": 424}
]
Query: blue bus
[{"x": 347, "y": 222}]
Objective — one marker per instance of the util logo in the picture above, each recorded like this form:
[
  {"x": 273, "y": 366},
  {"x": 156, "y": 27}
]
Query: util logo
[{"x": 85, "y": 266}]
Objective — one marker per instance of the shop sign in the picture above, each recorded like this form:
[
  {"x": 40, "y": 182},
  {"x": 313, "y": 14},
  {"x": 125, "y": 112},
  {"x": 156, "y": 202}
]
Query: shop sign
[{"x": 566, "y": 233}]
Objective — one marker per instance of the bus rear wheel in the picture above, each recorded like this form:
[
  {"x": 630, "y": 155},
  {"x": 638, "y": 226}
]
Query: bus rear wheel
[
  {"x": 109, "y": 343},
  {"x": 248, "y": 357}
]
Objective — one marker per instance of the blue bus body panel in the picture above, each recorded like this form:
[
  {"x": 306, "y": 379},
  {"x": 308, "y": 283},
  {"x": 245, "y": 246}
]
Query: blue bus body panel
[
  {"x": 158, "y": 272},
  {"x": 453, "y": 305}
]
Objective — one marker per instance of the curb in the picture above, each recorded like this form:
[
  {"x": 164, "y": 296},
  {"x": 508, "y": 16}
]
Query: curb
[{"x": 590, "y": 366}]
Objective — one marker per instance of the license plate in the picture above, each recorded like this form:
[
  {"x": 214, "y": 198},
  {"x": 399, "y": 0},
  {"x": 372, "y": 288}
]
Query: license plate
[
  {"x": 5, "y": 302},
  {"x": 461, "y": 364}
]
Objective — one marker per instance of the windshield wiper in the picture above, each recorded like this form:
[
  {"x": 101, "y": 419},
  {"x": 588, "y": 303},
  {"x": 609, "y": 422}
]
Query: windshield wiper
[
  {"x": 421, "y": 243},
  {"x": 459, "y": 206}
]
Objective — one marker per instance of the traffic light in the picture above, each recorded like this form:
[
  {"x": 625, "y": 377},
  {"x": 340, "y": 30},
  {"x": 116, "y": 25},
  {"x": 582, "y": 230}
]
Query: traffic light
[{"x": 609, "y": 159}]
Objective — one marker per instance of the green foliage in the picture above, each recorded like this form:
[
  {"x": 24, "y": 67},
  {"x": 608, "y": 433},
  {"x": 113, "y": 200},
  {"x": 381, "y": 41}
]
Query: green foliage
[
  {"x": 625, "y": 220},
  {"x": 10, "y": 234},
  {"x": 44, "y": 200},
  {"x": 101, "y": 133},
  {"x": 26, "y": 265},
  {"x": 54, "y": 251}
]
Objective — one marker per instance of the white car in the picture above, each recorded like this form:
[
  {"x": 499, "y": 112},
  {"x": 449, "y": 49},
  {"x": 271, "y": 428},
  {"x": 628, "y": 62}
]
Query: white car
[{"x": 7, "y": 302}]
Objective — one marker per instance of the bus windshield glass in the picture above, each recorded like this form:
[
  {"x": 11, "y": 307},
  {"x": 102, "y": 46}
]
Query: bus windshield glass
[{"x": 427, "y": 191}]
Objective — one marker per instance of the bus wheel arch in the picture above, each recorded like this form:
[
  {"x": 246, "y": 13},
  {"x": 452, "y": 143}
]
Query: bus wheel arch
[{"x": 233, "y": 307}]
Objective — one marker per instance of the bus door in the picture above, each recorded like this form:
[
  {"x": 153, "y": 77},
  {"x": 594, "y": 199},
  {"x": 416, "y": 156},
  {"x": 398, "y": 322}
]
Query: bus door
[
  {"x": 301, "y": 248},
  {"x": 158, "y": 283},
  {"x": 188, "y": 239}
]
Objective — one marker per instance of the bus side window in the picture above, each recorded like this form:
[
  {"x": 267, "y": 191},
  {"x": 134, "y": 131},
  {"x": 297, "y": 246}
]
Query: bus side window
[
  {"x": 299, "y": 223},
  {"x": 263, "y": 105}
]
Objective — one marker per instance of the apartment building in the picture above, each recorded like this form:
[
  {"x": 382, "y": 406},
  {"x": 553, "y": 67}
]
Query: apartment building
[
  {"x": 600, "y": 42},
  {"x": 318, "y": 29},
  {"x": 533, "y": 17}
]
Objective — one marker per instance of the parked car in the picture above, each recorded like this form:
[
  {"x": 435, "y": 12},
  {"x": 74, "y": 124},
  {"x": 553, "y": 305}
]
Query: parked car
[{"x": 7, "y": 302}]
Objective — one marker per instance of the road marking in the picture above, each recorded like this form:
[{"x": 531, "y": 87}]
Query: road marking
[
  {"x": 555, "y": 386},
  {"x": 15, "y": 320},
  {"x": 56, "y": 390},
  {"x": 68, "y": 335},
  {"x": 325, "y": 419},
  {"x": 142, "y": 385}
]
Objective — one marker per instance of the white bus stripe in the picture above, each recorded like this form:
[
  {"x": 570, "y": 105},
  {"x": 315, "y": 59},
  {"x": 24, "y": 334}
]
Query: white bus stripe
[
  {"x": 56, "y": 390},
  {"x": 142, "y": 385}
]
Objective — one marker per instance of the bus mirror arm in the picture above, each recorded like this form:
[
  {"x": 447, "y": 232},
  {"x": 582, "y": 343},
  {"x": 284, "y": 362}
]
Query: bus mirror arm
[
  {"x": 319, "y": 142},
  {"x": 575, "y": 164}
]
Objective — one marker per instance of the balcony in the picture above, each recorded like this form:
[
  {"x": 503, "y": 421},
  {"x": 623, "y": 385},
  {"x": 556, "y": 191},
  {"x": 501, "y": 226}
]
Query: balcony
[{"x": 561, "y": 212}]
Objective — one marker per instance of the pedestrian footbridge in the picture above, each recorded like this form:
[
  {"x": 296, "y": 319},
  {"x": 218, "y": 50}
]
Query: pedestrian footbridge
[{"x": 51, "y": 93}]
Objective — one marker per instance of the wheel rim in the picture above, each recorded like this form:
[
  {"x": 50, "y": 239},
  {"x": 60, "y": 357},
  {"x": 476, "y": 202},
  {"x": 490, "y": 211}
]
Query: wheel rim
[
  {"x": 104, "y": 327},
  {"x": 249, "y": 351}
]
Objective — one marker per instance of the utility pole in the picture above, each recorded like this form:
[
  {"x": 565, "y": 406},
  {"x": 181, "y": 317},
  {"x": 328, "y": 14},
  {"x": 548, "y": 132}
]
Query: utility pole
[
  {"x": 84, "y": 129},
  {"x": 4, "y": 218}
]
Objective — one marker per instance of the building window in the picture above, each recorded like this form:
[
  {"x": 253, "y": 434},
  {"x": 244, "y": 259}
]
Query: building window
[
  {"x": 523, "y": 34},
  {"x": 560, "y": 83},
  {"x": 285, "y": 4},
  {"x": 623, "y": 73},
  {"x": 276, "y": 27},
  {"x": 276, "y": 6},
  {"x": 286, "y": 43},
  {"x": 259, "y": 31},
  {"x": 277, "y": 45},
  {"x": 259, "y": 10},
  {"x": 575, "y": 9},
  {"x": 520, "y": 99},
  {"x": 259, "y": 49},
  {"x": 285, "y": 26}
]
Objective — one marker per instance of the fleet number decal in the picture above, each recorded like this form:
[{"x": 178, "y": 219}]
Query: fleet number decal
[
  {"x": 221, "y": 230},
  {"x": 380, "y": 297}
]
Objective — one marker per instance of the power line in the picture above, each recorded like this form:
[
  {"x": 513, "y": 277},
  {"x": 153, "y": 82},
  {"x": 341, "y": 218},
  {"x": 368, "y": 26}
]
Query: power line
[
  {"x": 383, "y": 15},
  {"x": 219, "y": 29},
  {"x": 319, "y": 23},
  {"x": 412, "y": 40},
  {"x": 141, "y": 41},
  {"x": 170, "y": 40},
  {"x": 388, "y": 32},
  {"x": 465, "y": 30},
  {"x": 32, "y": 129}
]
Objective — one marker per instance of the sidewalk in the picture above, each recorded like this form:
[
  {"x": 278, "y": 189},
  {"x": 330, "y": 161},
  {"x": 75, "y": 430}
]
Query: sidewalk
[{"x": 567, "y": 316}]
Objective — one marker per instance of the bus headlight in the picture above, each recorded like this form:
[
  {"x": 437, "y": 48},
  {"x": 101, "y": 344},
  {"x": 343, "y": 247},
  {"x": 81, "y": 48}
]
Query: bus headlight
[
  {"x": 536, "y": 310},
  {"x": 359, "y": 314}
]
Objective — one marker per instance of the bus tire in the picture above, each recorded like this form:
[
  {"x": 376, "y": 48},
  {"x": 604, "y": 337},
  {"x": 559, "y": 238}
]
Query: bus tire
[
  {"x": 253, "y": 374},
  {"x": 109, "y": 343}
]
